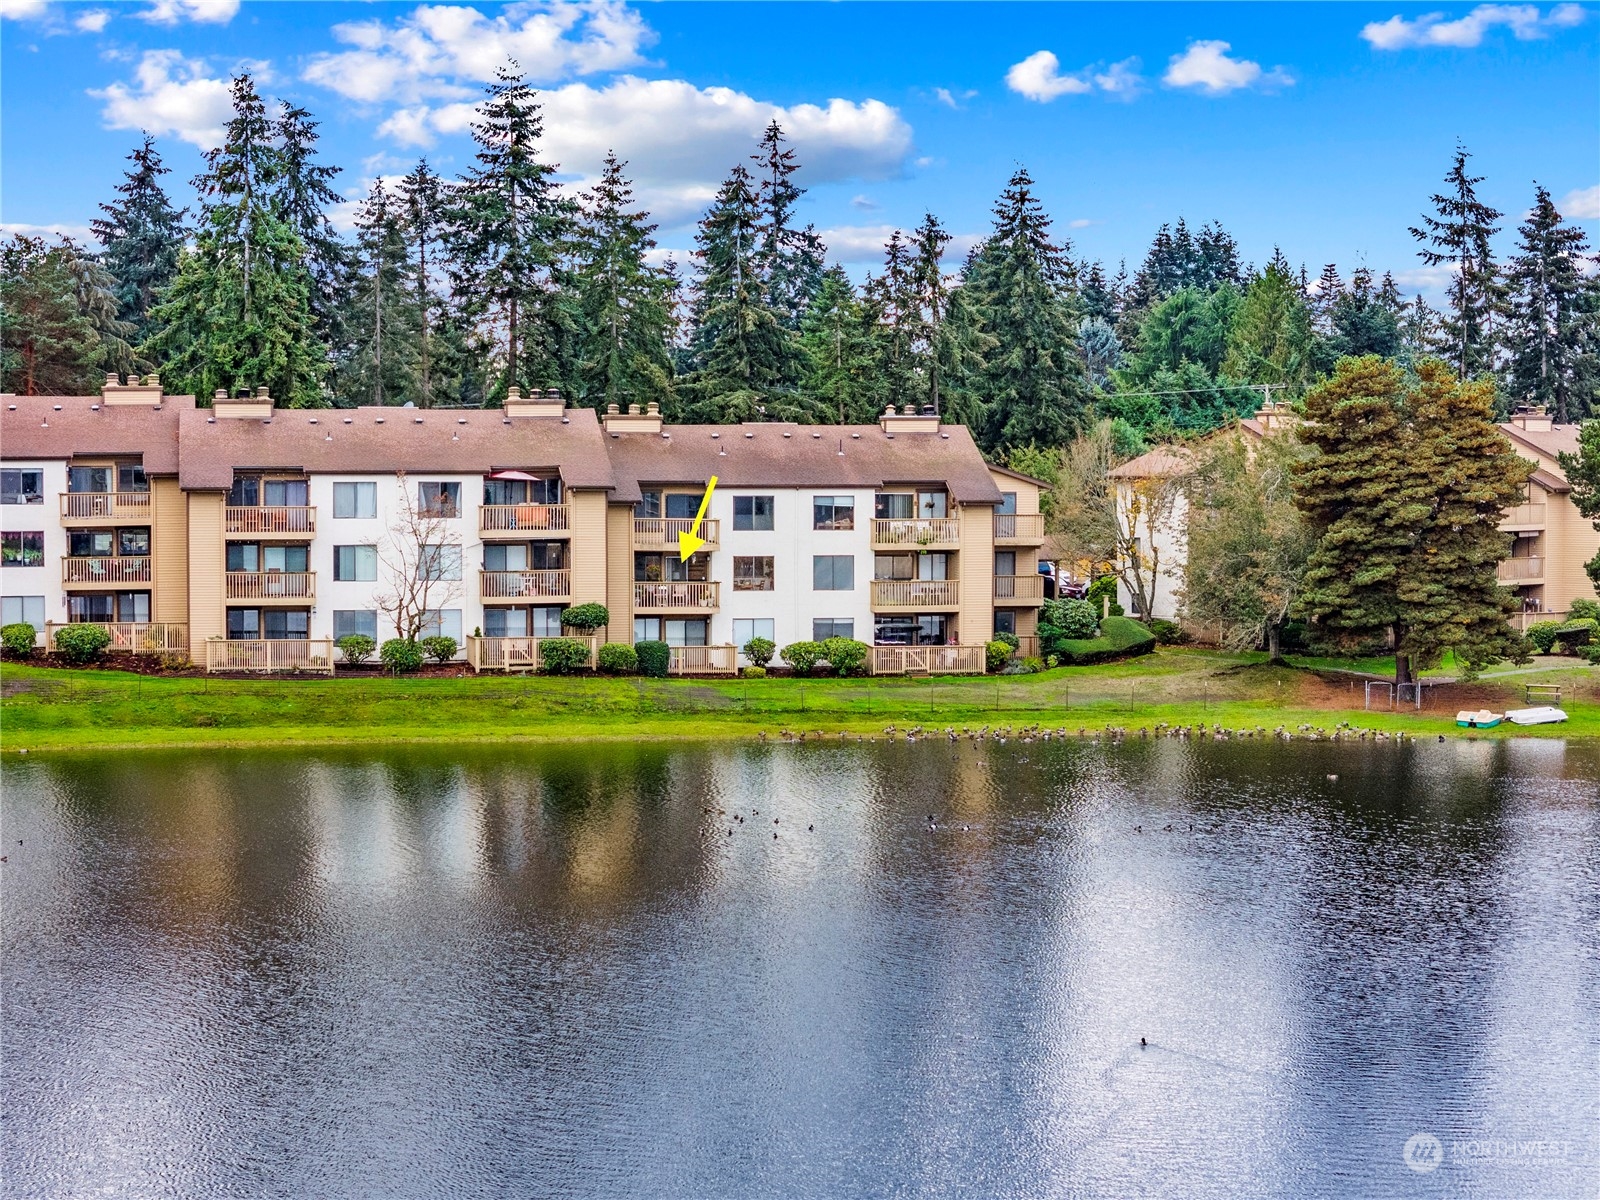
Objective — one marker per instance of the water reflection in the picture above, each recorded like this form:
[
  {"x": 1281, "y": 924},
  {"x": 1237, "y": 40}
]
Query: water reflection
[{"x": 576, "y": 971}]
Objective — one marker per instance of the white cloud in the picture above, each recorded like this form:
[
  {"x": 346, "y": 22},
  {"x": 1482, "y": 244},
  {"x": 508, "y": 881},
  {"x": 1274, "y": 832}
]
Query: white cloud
[
  {"x": 1038, "y": 77},
  {"x": 1081, "y": 223},
  {"x": 171, "y": 95},
  {"x": 23, "y": 10},
  {"x": 953, "y": 99},
  {"x": 78, "y": 233},
  {"x": 1581, "y": 204},
  {"x": 1121, "y": 79},
  {"x": 865, "y": 203},
  {"x": 1207, "y": 67},
  {"x": 1432, "y": 281},
  {"x": 435, "y": 51},
  {"x": 1431, "y": 29},
  {"x": 92, "y": 21},
  {"x": 175, "y": 12},
  {"x": 865, "y": 243}
]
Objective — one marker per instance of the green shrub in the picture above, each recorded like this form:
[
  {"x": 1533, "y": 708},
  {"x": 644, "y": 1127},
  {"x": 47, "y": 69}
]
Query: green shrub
[
  {"x": 1104, "y": 588},
  {"x": 997, "y": 654},
  {"x": 1584, "y": 610},
  {"x": 401, "y": 656},
  {"x": 802, "y": 657},
  {"x": 1574, "y": 634},
  {"x": 17, "y": 640},
  {"x": 1023, "y": 666},
  {"x": 586, "y": 618},
  {"x": 1074, "y": 618},
  {"x": 563, "y": 656},
  {"x": 754, "y": 672},
  {"x": 760, "y": 651},
  {"x": 82, "y": 643},
  {"x": 440, "y": 649},
  {"x": 1168, "y": 633},
  {"x": 617, "y": 658},
  {"x": 846, "y": 655},
  {"x": 1120, "y": 637},
  {"x": 655, "y": 658},
  {"x": 356, "y": 648},
  {"x": 1543, "y": 635},
  {"x": 1009, "y": 639},
  {"x": 1592, "y": 653}
]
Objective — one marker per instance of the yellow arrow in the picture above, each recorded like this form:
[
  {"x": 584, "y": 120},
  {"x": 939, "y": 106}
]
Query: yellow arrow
[{"x": 689, "y": 542}]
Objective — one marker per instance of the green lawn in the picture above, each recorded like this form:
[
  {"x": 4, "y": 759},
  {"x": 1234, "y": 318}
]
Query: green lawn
[{"x": 51, "y": 708}]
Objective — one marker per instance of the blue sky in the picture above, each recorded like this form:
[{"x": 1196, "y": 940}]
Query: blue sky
[{"x": 1321, "y": 128}]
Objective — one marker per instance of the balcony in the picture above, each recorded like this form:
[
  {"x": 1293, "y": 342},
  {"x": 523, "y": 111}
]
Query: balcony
[
  {"x": 1019, "y": 529},
  {"x": 270, "y": 521},
  {"x": 505, "y": 521},
  {"x": 265, "y": 654},
  {"x": 703, "y": 660},
  {"x": 105, "y": 572},
  {"x": 273, "y": 587},
  {"x": 1524, "y": 516},
  {"x": 132, "y": 637},
  {"x": 1520, "y": 570},
  {"x": 515, "y": 653},
  {"x": 524, "y": 585},
  {"x": 100, "y": 507},
  {"x": 943, "y": 533},
  {"x": 916, "y": 593},
  {"x": 661, "y": 533},
  {"x": 680, "y": 597},
  {"x": 1019, "y": 589}
]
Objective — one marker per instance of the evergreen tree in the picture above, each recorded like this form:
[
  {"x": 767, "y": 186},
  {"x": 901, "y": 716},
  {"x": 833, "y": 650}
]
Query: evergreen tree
[
  {"x": 509, "y": 230},
  {"x": 790, "y": 259},
  {"x": 1270, "y": 338},
  {"x": 422, "y": 195},
  {"x": 304, "y": 191},
  {"x": 1188, "y": 326},
  {"x": 1363, "y": 320},
  {"x": 1185, "y": 256},
  {"x": 1552, "y": 324},
  {"x": 1458, "y": 237},
  {"x": 94, "y": 291},
  {"x": 836, "y": 337},
  {"x": 142, "y": 234},
  {"x": 1098, "y": 294},
  {"x": 1420, "y": 327},
  {"x": 625, "y": 304},
  {"x": 892, "y": 303},
  {"x": 1100, "y": 351},
  {"x": 48, "y": 345},
  {"x": 382, "y": 316},
  {"x": 930, "y": 289},
  {"x": 1330, "y": 287},
  {"x": 1217, "y": 258}
]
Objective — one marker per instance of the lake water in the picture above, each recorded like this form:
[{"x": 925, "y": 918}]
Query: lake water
[{"x": 476, "y": 972}]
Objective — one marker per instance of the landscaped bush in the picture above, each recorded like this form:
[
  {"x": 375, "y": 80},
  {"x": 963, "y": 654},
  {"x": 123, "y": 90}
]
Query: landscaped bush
[
  {"x": 1104, "y": 588},
  {"x": 754, "y": 672},
  {"x": 1584, "y": 610},
  {"x": 1009, "y": 639},
  {"x": 17, "y": 640},
  {"x": 655, "y": 658},
  {"x": 586, "y": 618},
  {"x": 401, "y": 656},
  {"x": 760, "y": 651},
  {"x": 617, "y": 658},
  {"x": 1074, "y": 618},
  {"x": 356, "y": 648},
  {"x": 1120, "y": 637},
  {"x": 846, "y": 655},
  {"x": 440, "y": 649},
  {"x": 997, "y": 654},
  {"x": 1543, "y": 635},
  {"x": 1575, "y": 634},
  {"x": 563, "y": 656},
  {"x": 1023, "y": 666},
  {"x": 1168, "y": 633},
  {"x": 82, "y": 643},
  {"x": 802, "y": 657}
]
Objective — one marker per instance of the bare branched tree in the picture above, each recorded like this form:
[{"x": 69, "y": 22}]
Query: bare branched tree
[{"x": 421, "y": 561}]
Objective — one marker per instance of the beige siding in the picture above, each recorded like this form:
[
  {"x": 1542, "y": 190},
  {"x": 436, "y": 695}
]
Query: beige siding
[
  {"x": 619, "y": 571},
  {"x": 977, "y": 574},
  {"x": 588, "y": 514},
  {"x": 1027, "y": 493},
  {"x": 1569, "y": 541},
  {"x": 207, "y": 558},
  {"x": 169, "y": 548}
]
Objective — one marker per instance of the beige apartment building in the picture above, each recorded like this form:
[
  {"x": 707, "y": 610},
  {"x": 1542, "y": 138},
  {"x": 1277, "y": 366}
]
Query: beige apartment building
[
  {"x": 1553, "y": 540},
  {"x": 252, "y": 537}
]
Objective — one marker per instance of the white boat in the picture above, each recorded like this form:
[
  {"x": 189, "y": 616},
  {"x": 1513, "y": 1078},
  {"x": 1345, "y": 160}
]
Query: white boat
[{"x": 1544, "y": 715}]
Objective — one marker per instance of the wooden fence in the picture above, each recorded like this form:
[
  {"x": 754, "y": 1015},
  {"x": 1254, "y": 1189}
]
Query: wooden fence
[
  {"x": 928, "y": 660},
  {"x": 264, "y": 655},
  {"x": 515, "y": 653}
]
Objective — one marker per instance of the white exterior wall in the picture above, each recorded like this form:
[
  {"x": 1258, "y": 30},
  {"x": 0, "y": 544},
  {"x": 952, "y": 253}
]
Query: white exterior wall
[
  {"x": 43, "y": 580},
  {"x": 1171, "y": 542},
  {"x": 791, "y": 543}
]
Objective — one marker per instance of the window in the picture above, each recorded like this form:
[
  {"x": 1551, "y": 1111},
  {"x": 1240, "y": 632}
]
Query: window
[
  {"x": 355, "y": 563},
  {"x": 833, "y": 512},
  {"x": 133, "y": 543},
  {"x": 648, "y": 507},
  {"x": 23, "y": 549},
  {"x": 354, "y": 501},
  {"x": 824, "y": 628},
  {"x": 348, "y": 621},
  {"x": 894, "y": 566},
  {"x": 244, "y": 556},
  {"x": 133, "y": 606},
  {"x": 894, "y": 506},
  {"x": 439, "y": 499},
  {"x": 1008, "y": 504},
  {"x": 22, "y": 487},
  {"x": 682, "y": 506},
  {"x": 286, "y": 624},
  {"x": 752, "y": 512},
  {"x": 285, "y": 493},
  {"x": 439, "y": 562},
  {"x": 245, "y": 492},
  {"x": 295, "y": 559},
  {"x": 505, "y": 558},
  {"x": 88, "y": 479},
  {"x": 655, "y": 568},
  {"x": 833, "y": 572},
  {"x": 910, "y": 631},
  {"x": 97, "y": 607},
  {"x": 745, "y": 629},
  {"x": 15, "y": 610},
  {"x": 1005, "y": 620},
  {"x": 690, "y": 632},
  {"x": 505, "y": 622},
  {"x": 522, "y": 491},
  {"x": 547, "y": 620},
  {"x": 441, "y": 622},
  {"x": 91, "y": 543},
  {"x": 1005, "y": 562},
  {"x": 244, "y": 624},
  {"x": 131, "y": 478},
  {"x": 752, "y": 574},
  {"x": 933, "y": 566},
  {"x": 932, "y": 504},
  {"x": 647, "y": 629}
]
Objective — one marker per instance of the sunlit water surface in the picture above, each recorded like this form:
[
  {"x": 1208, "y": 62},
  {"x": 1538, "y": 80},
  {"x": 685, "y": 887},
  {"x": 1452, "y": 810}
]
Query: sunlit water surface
[{"x": 476, "y": 972}]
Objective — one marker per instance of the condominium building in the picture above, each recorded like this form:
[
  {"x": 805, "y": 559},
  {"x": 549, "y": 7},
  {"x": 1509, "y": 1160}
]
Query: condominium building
[
  {"x": 1553, "y": 540},
  {"x": 218, "y": 530}
]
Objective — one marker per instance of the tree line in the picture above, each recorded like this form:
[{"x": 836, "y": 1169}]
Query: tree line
[{"x": 453, "y": 290}]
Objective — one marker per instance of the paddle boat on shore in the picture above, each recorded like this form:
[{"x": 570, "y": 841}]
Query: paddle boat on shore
[
  {"x": 1544, "y": 714},
  {"x": 1481, "y": 719}
]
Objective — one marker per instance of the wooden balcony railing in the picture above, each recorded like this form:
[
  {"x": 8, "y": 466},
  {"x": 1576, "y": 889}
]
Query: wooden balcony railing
[
  {"x": 101, "y": 506},
  {"x": 661, "y": 533},
  {"x": 133, "y": 569},
  {"x": 1519, "y": 570},
  {"x": 272, "y": 585},
  {"x": 1524, "y": 516},
  {"x": 1019, "y": 527},
  {"x": 314, "y": 655},
  {"x": 662, "y": 597},
  {"x": 1019, "y": 587},
  {"x": 270, "y": 519},
  {"x": 514, "y": 653},
  {"x": 917, "y": 531},
  {"x": 928, "y": 660},
  {"x": 703, "y": 660},
  {"x": 915, "y": 593},
  {"x": 519, "y": 518},
  {"x": 133, "y": 637},
  {"x": 517, "y": 585}
]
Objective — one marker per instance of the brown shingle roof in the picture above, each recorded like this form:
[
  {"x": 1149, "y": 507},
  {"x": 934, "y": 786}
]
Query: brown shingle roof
[
  {"x": 1163, "y": 462},
  {"x": 1558, "y": 439},
  {"x": 59, "y": 427},
  {"x": 774, "y": 454},
  {"x": 385, "y": 440}
]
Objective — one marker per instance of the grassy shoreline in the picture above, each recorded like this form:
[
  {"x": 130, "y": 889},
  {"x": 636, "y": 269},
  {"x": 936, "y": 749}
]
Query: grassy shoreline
[{"x": 46, "y": 709}]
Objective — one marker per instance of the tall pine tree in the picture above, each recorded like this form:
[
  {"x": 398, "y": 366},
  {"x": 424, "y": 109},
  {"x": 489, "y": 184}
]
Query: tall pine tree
[
  {"x": 790, "y": 258},
  {"x": 1553, "y": 326},
  {"x": 48, "y": 345},
  {"x": 836, "y": 338},
  {"x": 1457, "y": 236},
  {"x": 422, "y": 196},
  {"x": 382, "y": 315},
  {"x": 143, "y": 235},
  {"x": 304, "y": 189}
]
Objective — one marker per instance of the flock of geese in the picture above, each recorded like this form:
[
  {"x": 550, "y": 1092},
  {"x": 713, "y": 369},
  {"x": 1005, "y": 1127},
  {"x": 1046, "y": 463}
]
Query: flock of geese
[{"x": 1028, "y": 734}]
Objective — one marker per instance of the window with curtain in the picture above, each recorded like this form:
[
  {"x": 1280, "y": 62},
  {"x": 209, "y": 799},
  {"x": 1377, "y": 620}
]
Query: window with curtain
[
  {"x": 355, "y": 563},
  {"x": 285, "y": 493},
  {"x": 91, "y": 543},
  {"x": 824, "y": 627},
  {"x": 746, "y": 629},
  {"x": 752, "y": 512},
  {"x": 22, "y": 486},
  {"x": 131, "y": 478},
  {"x": 833, "y": 572},
  {"x": 18, "y": 610},
  {"x": 439, "y": 499},
  {"x": 833, "y": 512},
  {"x": 351, "y": 621},
  {"x": 442, "y": 622},
  {"x": 286, "y": 624},
  {"x": 439, "y": 562},
  {"x": 353, "y": 501},
  {"x": 894, "y": 506},
  {"x": 133, "y": 543}
]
